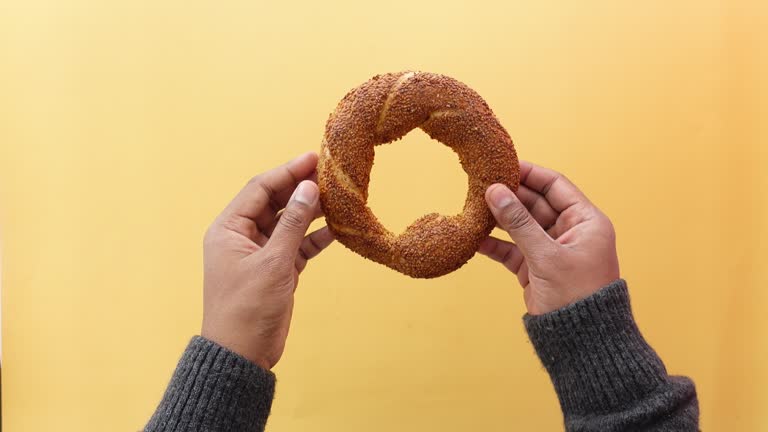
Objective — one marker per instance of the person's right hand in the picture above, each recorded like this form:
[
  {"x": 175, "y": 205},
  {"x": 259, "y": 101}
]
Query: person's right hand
[
  {"x": 253, "y": 255},
  {"x": 564, "y": 247}
]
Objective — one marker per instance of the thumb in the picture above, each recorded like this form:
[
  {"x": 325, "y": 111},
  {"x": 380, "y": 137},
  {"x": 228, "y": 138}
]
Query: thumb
[
  {"x": 295, "y": 219},
  {"x": 514, "y": 218}
]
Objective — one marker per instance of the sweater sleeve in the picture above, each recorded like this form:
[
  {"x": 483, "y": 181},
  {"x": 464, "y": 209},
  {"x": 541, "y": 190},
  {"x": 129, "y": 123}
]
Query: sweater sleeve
[
  {"x": 606, "y": 376},
  {"x": 214, "y": 389}
]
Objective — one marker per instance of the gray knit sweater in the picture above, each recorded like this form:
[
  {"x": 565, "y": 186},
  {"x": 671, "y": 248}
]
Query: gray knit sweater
[{"x": 605, "y": 374}]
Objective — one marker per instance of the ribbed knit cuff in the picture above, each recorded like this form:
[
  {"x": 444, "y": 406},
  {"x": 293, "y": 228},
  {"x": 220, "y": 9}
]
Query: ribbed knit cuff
[
  {"x": 214, "y": 389},
  {"x": 595, "y": 355}
]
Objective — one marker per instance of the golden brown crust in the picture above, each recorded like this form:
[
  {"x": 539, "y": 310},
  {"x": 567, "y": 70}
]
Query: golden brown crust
[{"x": 383, "y": 110}]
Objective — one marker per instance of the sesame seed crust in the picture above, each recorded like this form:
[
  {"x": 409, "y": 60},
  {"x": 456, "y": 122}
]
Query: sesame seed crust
[{"x": 382, "y": 110}]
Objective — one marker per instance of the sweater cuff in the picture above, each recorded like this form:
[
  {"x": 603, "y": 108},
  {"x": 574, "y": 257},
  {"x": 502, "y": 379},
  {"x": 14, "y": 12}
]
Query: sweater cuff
[
  {"x": 214, "y": 389},
  {"x": 594, "y": 353}
]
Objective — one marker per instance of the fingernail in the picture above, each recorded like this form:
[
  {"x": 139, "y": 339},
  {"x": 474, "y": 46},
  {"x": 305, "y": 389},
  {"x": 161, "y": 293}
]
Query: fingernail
[
  {"x": 305, "y": 193},
  {"x": 501, "y": 196}
]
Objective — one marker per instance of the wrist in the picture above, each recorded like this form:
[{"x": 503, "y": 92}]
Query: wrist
[
  {"x": 215, "y": 387},
  {"x": 594, "y": 338},
  {"x": 558, "y": 294},
  {"x": 238, "y": 346}
]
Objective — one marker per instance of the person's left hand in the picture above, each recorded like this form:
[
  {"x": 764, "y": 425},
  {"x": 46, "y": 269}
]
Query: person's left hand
[{"x": 253, "y": 255}]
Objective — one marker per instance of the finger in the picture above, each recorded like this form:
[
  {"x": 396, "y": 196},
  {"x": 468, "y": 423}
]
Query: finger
[
  {"x": 267, "y": 190},
  {"x": 523, "y": 276},
  {"x": 538, "y": 206},
  {"x": 555, "y": 187},
  {"x": 570, "y": 218},
  {"x": 502, "y": 251},
  {"x": 316, "y": 242},
  {"x": 515, "y": 219},
  {"x": 554, "y": 231},
  {"x": 312, "y": 245},
  {"x": 270, "y": 227},
  {"x": 281, "y": 198},
  {"x": 312, "y": 176},
  {"x": 299, "y": 213}
]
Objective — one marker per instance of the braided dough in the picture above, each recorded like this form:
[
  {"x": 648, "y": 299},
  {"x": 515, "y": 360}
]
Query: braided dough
[{"x": 383, "y": 110}]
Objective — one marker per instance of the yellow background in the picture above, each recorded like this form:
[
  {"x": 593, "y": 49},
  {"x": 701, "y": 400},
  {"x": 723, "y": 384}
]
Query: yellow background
[{"x": 126, "y": 126}]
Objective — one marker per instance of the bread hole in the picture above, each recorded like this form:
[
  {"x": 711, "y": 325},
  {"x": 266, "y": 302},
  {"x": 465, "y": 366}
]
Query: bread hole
[{"x": 413, "y": 177}]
